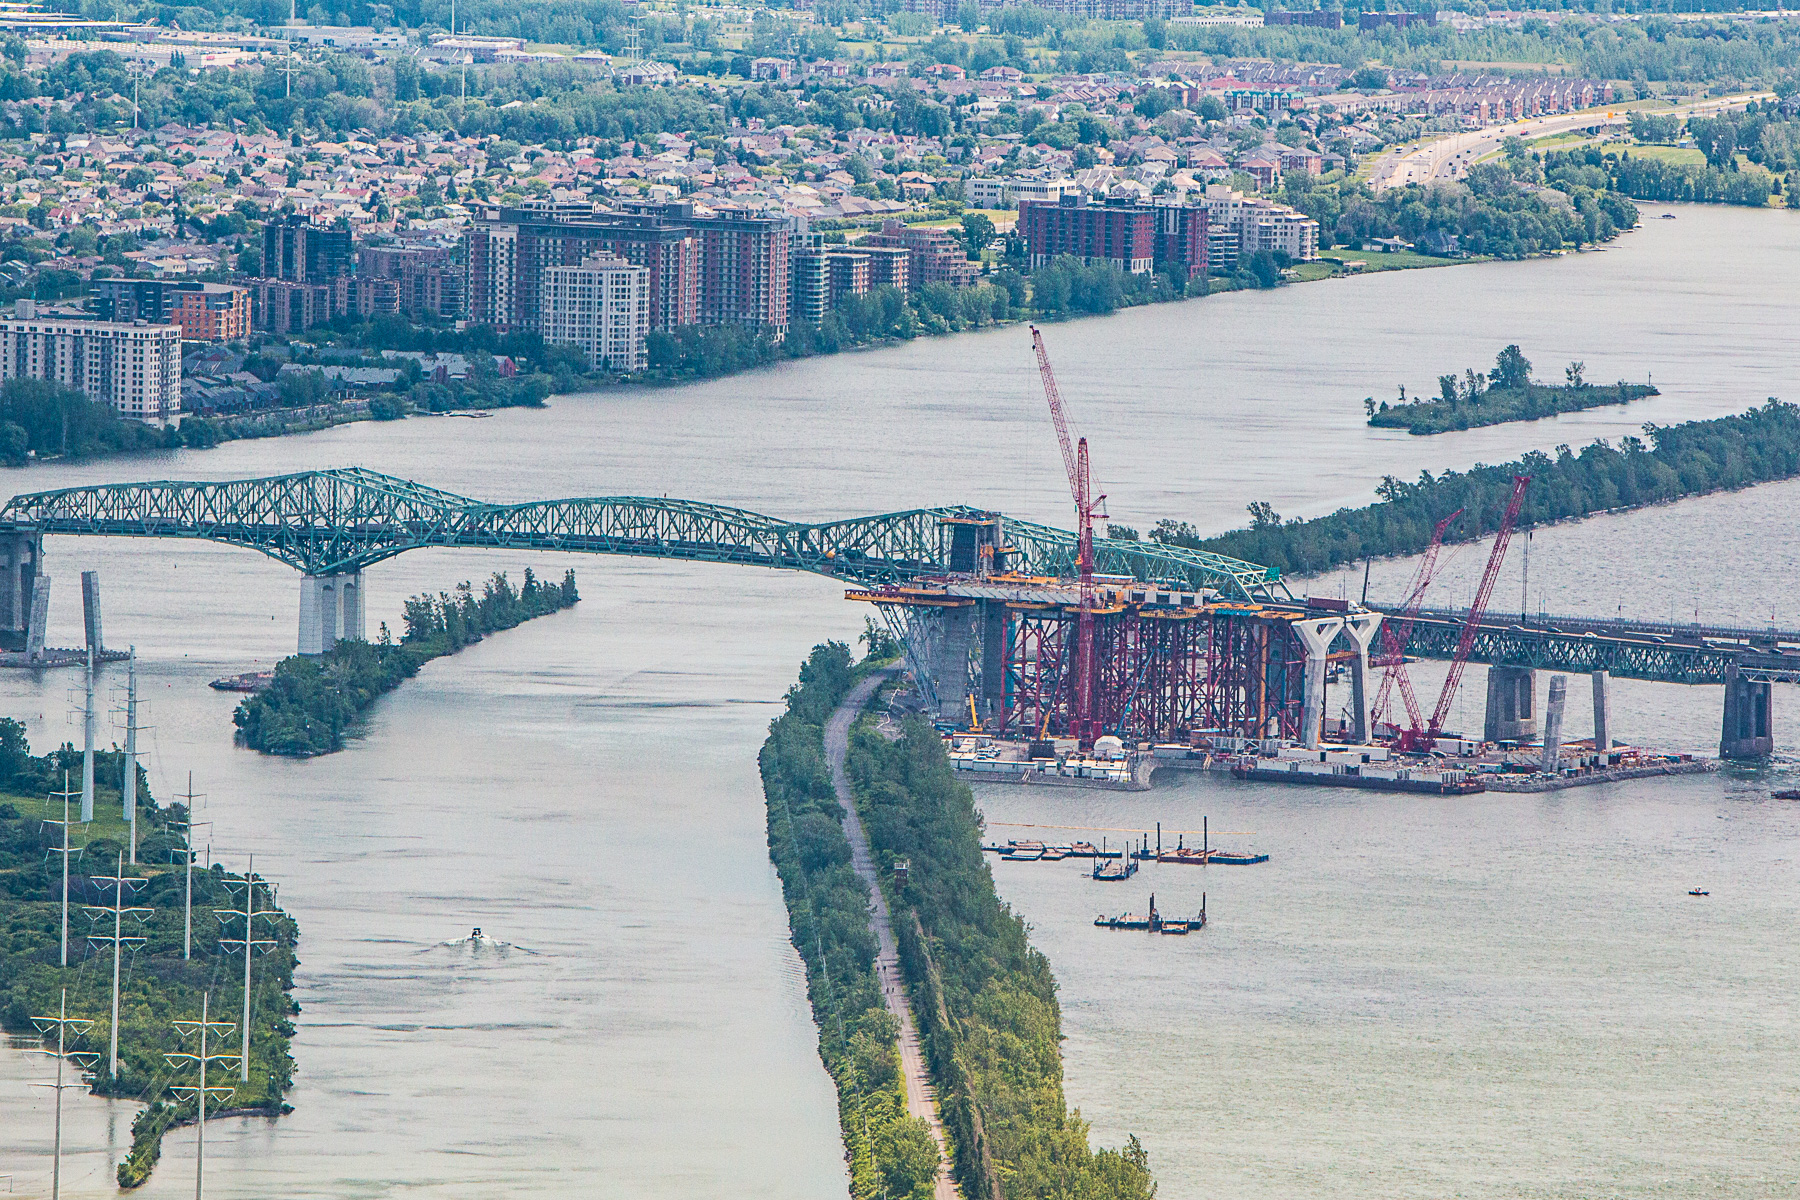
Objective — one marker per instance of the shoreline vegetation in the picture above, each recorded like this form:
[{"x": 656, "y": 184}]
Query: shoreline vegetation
[
  {"x": 985, "y": 999},
  {"x": 1669, "y": 462},
  {"x": 156, "y": 986},
  {"x": 1503, "y": 395},
  {"x": 313, "y": 699}
]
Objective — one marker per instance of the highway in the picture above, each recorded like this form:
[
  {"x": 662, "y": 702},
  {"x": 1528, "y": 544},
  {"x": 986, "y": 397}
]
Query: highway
[{"x": 1451, "y": 156}]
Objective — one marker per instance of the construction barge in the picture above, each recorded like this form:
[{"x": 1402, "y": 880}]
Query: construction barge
[{"x": 1156, "y": 922}]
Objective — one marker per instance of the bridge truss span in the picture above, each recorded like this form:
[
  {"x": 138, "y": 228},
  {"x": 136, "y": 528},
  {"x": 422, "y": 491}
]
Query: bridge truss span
[{"x": 339, "y": 521}]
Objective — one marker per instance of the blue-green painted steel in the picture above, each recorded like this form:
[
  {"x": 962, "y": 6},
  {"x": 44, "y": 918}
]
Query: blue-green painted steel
[{"x": 342, "y": 520}]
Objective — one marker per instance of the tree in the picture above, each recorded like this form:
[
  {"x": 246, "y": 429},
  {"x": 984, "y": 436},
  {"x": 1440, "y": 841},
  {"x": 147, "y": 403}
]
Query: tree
[
  {"x": 1511, "y": 369},
  {"x": 1369, "y": 78},
  {"x": 1263, "y": 515},
  {"x": 978, "y": 231},
  {"x": 1212, "y": 109},
  {"x": 1572, "y": 373},
  {"x": 1447, "y": 387},
  {"x": 1369, "y": 406}
]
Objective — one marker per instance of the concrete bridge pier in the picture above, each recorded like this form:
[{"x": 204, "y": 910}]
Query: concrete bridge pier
[
  {"x": 949, "y": 662},
  {"x": 1317, "y": 634},
  {"x": 21, "y": 559},
  {"x": 1362, "y": 628},
  {"x": 331, "y": 611},
  {"x": 1510, "y": 699},
  {"x": 1749, "y": 726}
]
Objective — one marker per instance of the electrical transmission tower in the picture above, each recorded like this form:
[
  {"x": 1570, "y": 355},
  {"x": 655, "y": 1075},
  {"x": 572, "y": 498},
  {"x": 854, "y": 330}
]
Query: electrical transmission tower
[
  {"x": 65, "y": 850},
  {"x": 128, "y": 775},
  {"x": 63, "y": 1023},
  {"x": 205, "y": 1026},
  {"x": 187, "y": 897},
  {"x": 87, "y": 753},
  {"x": 119, "y": 940},
  {"x": 252, "y": 944}
]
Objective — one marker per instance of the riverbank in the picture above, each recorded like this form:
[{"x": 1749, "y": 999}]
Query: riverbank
[
  {"x": 1691, "y": 459},
  {"x": 159, "y": 984},
  {"x": 313, "y": 699},
  {"x": 986, "y": 998}
]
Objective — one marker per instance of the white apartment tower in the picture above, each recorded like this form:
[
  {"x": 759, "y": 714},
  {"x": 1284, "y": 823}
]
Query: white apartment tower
[
  {"x": 603, "y": 306},
  {"x": 135, "y": 366}
]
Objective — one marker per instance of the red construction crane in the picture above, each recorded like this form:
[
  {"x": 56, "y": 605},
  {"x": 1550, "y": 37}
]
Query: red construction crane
[
  {"x": 1478, "y": 608},
  {"x": 1397, "y": 631},
  {"x": 1083, "y": 724}
]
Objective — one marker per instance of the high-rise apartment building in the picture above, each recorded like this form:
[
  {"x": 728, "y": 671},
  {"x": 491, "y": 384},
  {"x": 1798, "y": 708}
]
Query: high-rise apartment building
[
  {"x": 725, "y": 269},
  {"x": 933, "y": 255},
  {"x": 210, "y": 312},
  {"x": 296, "y": 249},
  {"x": 426, "y": 281},
  {"x": 1119, "y": 232},
  {"x": 602, "y": 306},
  {"x": 133, "y": 366}
]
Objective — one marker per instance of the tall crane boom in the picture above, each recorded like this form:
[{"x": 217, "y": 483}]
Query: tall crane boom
[
  {"x": 1084, "y": 724},
  {"x": 1478, "y": 609},
  {"x": 1397, "y": 632}
]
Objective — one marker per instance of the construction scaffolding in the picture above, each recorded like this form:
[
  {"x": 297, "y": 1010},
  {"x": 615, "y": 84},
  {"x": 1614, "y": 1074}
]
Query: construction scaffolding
[{"x": 997, "y": 652}]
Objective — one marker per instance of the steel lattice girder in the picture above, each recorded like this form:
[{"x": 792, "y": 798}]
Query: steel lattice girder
[
  {"x": 346, "y": 519},
  {"x": 1625, "y": 659}
]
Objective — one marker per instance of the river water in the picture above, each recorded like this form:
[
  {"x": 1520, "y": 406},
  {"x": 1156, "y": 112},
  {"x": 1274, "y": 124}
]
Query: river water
[{"x": 1503, "y": 997}]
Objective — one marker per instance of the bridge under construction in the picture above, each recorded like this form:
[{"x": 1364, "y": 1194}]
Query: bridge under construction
[{"x": 989, "y": 608}]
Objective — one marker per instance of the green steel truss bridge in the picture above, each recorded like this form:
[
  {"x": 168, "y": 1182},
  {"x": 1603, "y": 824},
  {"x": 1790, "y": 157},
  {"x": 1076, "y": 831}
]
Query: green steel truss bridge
[{"x": 328, "y": 523}]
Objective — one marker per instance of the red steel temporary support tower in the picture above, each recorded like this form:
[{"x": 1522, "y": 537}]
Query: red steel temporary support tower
[{"x": 1083, "y": 719}]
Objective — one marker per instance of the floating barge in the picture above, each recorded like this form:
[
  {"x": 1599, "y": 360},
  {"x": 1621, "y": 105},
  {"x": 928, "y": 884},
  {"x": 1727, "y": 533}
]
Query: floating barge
[
  {"x": 1115, "y": 870},
  {"x": 1155, "y": 922},
  {"x": 1430, "y": 780},
  {"x": 1185, "y": 855},
  {"x": 1028, "y": 851},
  {"x": 249, "y": 681}
]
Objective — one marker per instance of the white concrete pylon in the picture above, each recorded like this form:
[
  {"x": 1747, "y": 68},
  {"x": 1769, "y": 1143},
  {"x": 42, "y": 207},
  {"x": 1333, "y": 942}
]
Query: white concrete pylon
[
  {"x": 331, "y": 610},
  {"x": 1362, "y": 628},
  {"x": 1317, "y": 633}
]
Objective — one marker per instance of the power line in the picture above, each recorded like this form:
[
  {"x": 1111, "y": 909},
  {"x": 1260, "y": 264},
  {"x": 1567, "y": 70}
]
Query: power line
[
  {"x": 62, "y": 1022},
  {"x": 204, "y": 1026},
  {"x": 118, "y": 940},
  {"x": 252, "y": 944}
]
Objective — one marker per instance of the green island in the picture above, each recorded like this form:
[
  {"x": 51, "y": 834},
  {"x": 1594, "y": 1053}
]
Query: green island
[
  {"x": 986, "y": 1001},
  {"x": 156, "y": 984},
  {"x": 1670, "y": 462},
  {"x": 313, "y": 699},
  {"x": 1507, "y": 393}
]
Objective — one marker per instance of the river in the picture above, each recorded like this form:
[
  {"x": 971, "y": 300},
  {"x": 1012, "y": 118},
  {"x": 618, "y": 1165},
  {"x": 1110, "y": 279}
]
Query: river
[{"x": 1509, "y": 997}]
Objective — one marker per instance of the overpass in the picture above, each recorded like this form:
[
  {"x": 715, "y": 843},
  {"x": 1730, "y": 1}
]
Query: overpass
[{"x": 331, "y": 524}]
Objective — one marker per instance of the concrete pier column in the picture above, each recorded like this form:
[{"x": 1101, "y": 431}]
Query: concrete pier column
[
  {"x": 992, "y": 700},
  {"x": 1602, "y": 715},
  {"x": 1510, "y": 692},
  {"x": 350, "y": 599},
  {"x": 1749, "y": 725},
  {"x": 90, "y": 610},
  {"x": 950, "y": 663},
  {"x": 1553, "y": 724},
  {"x": 1316, "y": 634},
  {"x": 21, "y": 555},
  {"x": 40, "y": 618},
  {"x": 1362, "y": 628},
  {"x": 318, "y": 613}
]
